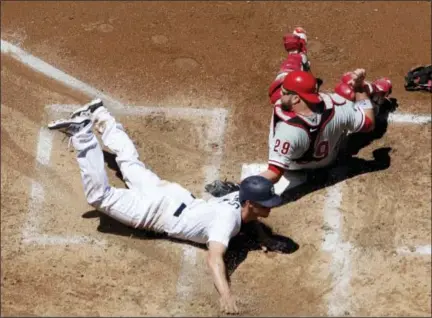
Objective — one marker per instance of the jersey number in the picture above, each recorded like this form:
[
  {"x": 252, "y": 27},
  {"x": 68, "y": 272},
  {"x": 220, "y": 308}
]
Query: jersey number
[
  {"x": 234, "y": 202},
  {"x": 322, "y": 149},
  {"x": 282, "y": 148}
]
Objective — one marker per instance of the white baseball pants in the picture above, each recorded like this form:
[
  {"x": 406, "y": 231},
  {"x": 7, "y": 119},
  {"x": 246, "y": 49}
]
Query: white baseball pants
[{"x": 149, "y": 203}]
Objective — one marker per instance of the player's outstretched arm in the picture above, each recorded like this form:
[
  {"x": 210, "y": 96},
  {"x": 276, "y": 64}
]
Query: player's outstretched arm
[
  {"x": 362, "y": 98},
  {"x": 272, "y": 173},
  {"x": 217, "y": 267}
]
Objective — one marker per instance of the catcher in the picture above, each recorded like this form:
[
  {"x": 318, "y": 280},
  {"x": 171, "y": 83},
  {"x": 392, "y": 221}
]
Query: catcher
[
  {"x": 158, "y": 205},
  {"x": 296, "y": 46},
  {"x": 306, "y": 130},
  {"x": 308, "y": 127}
]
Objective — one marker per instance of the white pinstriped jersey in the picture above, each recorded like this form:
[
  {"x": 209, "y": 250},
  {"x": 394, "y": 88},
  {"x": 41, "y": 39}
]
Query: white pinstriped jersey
[{"x": 289, "y": 141}]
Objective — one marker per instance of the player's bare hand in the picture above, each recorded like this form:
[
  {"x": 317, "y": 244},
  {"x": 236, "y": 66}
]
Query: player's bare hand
[{"x": 228, "y": 305}]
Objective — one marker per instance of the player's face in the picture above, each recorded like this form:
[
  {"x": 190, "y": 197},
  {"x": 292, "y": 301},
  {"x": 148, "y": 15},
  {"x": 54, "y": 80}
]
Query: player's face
[
  {"x": 289, "y": 100},
  {"x": 251, "y": 211},
  {"x": 259, "y": 210}
]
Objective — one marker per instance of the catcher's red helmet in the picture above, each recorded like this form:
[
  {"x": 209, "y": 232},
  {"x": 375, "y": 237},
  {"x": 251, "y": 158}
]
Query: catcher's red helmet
[{"x": 304, "y": 84}]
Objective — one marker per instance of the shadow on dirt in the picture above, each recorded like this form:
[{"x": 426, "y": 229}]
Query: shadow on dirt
[
  {"x": 347, "y": 165},
  {"x": 238, "y": 248},
  {"x": 246, "y": 241},
  {"x": 112, "y": 164},
  {"x": 359, "y": 141}
]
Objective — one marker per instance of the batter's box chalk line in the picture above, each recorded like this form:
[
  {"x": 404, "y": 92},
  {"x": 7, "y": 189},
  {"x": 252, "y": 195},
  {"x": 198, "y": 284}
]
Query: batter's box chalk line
[{"x": 32, "y": 233}]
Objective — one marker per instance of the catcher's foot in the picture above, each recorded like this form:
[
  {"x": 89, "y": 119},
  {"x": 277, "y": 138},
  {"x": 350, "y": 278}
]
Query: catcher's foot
[
  {"x": 382, "y": 88},
  {"x": 72, "y": 126},
  {"x": 301, "y": 33},
  {"x": 88, "y": 109}
]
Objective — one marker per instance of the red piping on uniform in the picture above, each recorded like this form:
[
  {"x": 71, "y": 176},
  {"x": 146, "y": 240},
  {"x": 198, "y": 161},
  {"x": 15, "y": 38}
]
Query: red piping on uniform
[
  {"x": 275, "y": 169},
  {"x": 284, "y": 166},
  {"x": 335, "y": 103},
  {"x": 367, "y": 126}
]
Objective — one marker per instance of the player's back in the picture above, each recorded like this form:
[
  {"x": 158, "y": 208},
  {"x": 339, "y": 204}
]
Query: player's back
[
  {"x": 299, "y": 142},
  {"x": 217, "y": 218}
]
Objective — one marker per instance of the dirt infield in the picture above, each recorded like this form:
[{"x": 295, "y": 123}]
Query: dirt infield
[{"x": 364, "y": 242}]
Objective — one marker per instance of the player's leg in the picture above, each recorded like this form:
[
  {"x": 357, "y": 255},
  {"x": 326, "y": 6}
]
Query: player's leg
[
  {"x": 125, "y": 206},
  {"x": 135, "y": 173}
]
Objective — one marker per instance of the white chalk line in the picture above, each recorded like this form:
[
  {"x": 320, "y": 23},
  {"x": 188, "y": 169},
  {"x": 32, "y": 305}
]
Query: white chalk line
[
  {"x": 415, "y": 250},
  {"x": 332, "y": 218},
  {"x": 45, "y": 239},
  {"x": 54, "y": 73},
  {"x": 406, "y": 118},
  {"x": 44, "y": 147},
  {"x": 31, "y": 230},
  {"x": 214, "y": 114},
  {"x": 37, "y": 197},
  {"x": 340, "y": 265}
]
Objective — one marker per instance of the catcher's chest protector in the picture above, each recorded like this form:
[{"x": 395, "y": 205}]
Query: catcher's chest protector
[{"x": 314, "y": 131}]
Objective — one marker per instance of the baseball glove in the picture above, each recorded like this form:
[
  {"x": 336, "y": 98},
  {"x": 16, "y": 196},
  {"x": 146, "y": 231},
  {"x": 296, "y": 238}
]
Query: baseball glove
[
  {"x": 419, "y": 78},
  {"x": 219, "y": 188}
]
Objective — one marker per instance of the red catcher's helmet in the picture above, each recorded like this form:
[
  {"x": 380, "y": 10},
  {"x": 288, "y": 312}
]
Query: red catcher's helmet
[{"x": 304, "y": 84}]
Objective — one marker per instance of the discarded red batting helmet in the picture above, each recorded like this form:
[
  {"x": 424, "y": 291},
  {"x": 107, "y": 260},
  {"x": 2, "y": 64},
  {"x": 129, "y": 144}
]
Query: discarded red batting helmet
[{"x": 304, "y": 84}]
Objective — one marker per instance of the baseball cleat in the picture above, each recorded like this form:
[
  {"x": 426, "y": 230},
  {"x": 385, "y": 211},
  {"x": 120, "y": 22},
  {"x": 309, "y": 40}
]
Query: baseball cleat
[
  {"x": 71, "y": 126},
  {"x": 301, "y": 33},
  {"x": 383, "y": 85},
  {"x": 88, "y": 109}
]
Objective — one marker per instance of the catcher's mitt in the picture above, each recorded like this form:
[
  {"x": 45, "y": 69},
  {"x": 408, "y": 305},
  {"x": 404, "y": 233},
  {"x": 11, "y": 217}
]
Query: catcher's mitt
[
  {"x": 219, "y": 188},
  {"x": 419, "y": 78}
]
